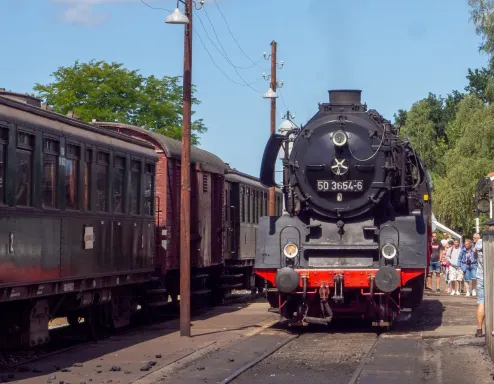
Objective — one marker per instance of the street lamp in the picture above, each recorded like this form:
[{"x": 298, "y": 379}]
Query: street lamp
[
  {"x": 270, "y": 94},
  {"x": 177, "y": 17},
  {"x": 285, "y": 127}
]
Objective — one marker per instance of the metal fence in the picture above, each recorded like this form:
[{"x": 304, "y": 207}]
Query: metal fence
[{"x": 488, "y": 252}]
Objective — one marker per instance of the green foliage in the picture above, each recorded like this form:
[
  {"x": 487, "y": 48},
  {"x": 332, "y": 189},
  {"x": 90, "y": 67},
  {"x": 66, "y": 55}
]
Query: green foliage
[
  {"x": 423, "y": 134},
  {"x": 482, "y": 15},
  {"x": 110, "y": 92},
  {"x": 426, "y": 125},
  {"x": 400, "y": 118},
  {"x": 471, "y": 159}
]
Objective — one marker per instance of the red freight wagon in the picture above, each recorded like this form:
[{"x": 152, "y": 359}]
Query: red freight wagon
[{"x": 207, "y": 185}]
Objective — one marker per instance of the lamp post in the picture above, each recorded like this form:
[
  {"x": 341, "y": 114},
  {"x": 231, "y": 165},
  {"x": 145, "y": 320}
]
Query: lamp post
[
  {"x": 271, "y": 94},
  {"x": 177, "y": 17}
]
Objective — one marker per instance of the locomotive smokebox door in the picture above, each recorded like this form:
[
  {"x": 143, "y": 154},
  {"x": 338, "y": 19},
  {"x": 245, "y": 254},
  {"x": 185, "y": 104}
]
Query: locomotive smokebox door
[{"x": 88, "y": 237}]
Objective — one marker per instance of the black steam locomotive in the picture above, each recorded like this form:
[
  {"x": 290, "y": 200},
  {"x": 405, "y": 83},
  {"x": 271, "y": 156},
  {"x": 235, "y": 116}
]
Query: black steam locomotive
[{"x": 355, "y": 239}]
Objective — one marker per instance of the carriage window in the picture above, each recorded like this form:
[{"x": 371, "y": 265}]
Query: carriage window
[
  {"x": 260, "y": 194},
  {"x": 71, "y": 179},
  {"x": 256, "y": 212},
  {"x": 87, "y": 178},
  {"x": 265, "y": 204},
  {"x": 24, "y": 178},
  {"x": 2, "y": 173},
  {"x": 102, "y": 181},
  {"x": 118, "y": 184},
  {"x": 135, "y": 187},
  {"x": 50, "y": 169},
  {"x": 148, "y": 189},
  {"x": 4, "y": 136},
  {"x": 254, "y": 206},
  {"x": 248, "y": 205},
  {"x": 259, "y": 209}
]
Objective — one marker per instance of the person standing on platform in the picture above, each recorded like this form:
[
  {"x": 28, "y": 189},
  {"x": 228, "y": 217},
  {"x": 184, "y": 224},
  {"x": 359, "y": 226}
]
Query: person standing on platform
[
  {"x": 445, "y": 264},
  {"x": 480, "y": 282},
  {"x": 435, "y": 266},
  {"x": 445, "y": 239},
  {"x": 455, "y": 274},
  {"x": 468, "y": 264}
]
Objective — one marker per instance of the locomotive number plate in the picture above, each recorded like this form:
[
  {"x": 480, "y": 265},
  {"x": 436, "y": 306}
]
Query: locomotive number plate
[{"x": 346, "y": 186}]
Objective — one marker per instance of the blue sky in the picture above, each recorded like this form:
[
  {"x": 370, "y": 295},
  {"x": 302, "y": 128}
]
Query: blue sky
[{"x": 395, "y": 51}]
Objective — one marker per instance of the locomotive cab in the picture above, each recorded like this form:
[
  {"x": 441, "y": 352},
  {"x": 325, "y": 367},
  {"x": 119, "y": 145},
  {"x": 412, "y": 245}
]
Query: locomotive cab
[{"x": 354, "y": 242}]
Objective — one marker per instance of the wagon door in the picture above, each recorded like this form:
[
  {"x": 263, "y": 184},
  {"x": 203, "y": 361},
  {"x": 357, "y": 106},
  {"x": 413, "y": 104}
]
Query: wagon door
[
  {"x": 228, "y": 222},
  {"x": 195, "y": 218},
  {"x": 217, "y": 214}
]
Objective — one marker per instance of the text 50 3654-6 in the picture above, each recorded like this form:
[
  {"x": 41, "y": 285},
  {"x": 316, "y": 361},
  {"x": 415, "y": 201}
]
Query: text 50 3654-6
[{"x": 347, "y": 185}]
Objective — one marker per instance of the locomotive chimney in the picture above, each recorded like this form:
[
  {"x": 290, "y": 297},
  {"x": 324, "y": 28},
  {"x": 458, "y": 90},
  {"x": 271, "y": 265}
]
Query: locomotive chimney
[{"x": 345, "y": 97}]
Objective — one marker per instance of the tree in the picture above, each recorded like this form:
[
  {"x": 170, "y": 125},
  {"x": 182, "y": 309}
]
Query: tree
[
  {"x": 110, "y": 92},
  {"x": 470, "y": 160},
  {"x": 400, "y": 118},
  {"x": 482, "y": 15},
  {"x": 424, "y": 134}
]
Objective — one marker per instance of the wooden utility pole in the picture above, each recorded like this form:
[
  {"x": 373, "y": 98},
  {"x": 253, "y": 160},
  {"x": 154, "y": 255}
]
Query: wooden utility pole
[
  {"x": 185, "y": 179},
  {"x": 272, "y": 203}
]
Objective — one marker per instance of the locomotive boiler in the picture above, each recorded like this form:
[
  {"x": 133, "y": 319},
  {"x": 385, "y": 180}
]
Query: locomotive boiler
[{"x": 354, "y": 241}]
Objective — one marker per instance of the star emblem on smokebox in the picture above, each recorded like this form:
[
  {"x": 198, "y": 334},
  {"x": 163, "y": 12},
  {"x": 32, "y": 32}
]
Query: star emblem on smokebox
[{"x": 339, "y": 166}]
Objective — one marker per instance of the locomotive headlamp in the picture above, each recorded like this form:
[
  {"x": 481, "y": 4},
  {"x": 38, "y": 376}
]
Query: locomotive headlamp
[
  {"x": 340, "y": 138},
  {"x": 388, "y": 251},
  {"x": 290, "y": 250}
]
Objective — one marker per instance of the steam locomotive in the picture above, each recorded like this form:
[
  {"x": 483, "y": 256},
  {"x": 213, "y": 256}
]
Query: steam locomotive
[{"x": 355, "y": 239}]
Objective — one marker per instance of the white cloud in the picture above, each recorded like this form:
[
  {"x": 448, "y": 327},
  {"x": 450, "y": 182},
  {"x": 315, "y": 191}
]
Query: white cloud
[{"x": 84, "y": 12}]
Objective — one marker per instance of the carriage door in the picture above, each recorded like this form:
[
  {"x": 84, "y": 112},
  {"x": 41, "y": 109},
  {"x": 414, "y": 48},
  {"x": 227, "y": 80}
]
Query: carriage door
[{"x": 228, "y": 245}]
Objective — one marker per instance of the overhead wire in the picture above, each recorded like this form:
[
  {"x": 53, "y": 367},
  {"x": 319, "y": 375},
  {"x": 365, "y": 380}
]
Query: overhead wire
[
  {"x": 150, "y": 6},
  {"x": 235, "y": 68},
  {"x": 234, "y": 39},
  {"x": 225, "y": 55},
  {"x": 283, "y": 99},
  {"x": 216, "y": 65}
]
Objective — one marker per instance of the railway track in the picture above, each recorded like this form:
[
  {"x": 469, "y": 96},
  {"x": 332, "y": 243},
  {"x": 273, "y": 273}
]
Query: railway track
[
  {"x": 311, "y": 357},
  {"x": 66, "y": 338},
  {"x": 281, "y": 355},
  {"x": 345, "y": 357}
]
